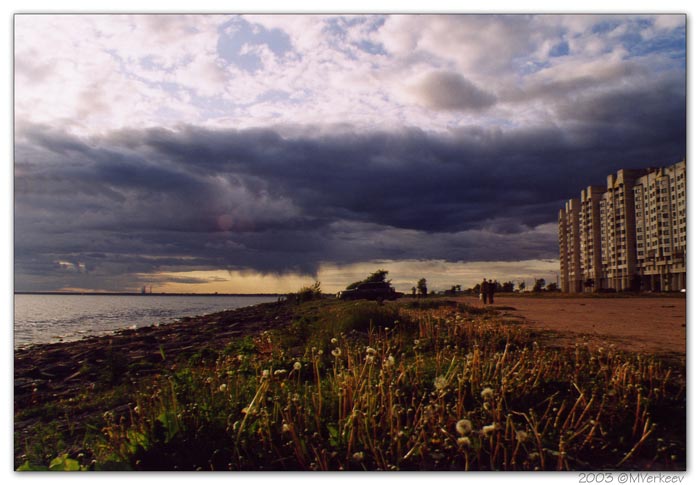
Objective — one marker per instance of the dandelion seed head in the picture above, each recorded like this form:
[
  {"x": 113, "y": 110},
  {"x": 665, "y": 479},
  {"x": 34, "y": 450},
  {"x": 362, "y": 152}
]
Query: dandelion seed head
[
  {"x": 336, "y": 352},
  {"x": 334, "y": 341},
  {"x": 297, "y": 365},
  {"x": 222, "y": 387},
  {"x": 358, "y": 456},
  {"x": 487, "y": 393},
  {"x": 265, "y": 373},
  {"x": 279, "y": 372},
  {"x": 489, "y": 428},
  {"x": 463, "y": 426},
  {"x": 371, "y": 351},
  {"x": 440, "y": 383},
  {"x": 464, "y": 441},
  {"x": 521, "y": 436}
]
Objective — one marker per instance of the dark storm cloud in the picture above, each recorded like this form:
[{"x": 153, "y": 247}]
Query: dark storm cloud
[
  {"x": 451, "y": 91},
  {"x": 270, "y": 200}
]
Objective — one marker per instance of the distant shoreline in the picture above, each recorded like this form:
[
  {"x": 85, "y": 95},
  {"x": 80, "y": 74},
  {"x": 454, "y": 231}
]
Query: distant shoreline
[{"x": 74, "y": 293}]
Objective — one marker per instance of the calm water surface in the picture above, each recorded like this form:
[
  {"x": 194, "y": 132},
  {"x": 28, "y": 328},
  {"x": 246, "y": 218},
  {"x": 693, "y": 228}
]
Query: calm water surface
[{"x": 63, "y": 318}]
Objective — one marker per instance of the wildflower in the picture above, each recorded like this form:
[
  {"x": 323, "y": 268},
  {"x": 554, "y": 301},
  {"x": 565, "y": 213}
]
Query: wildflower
[
  {"x": 265, "y": 373},
  {"x": 358, "y": 456},
  {"x": 209, "y": 380},
  {"x": 320, "y": 352},
  {"x": 334, "y": 341},
  {"x": 371, "y": 351},
  {"x": 336, "y": 352},
  {"x": 440, "y": 383},
  {"x": 137, "y": 409},
  {"x": 489, "y": 428},
  {"x": 463, "y": 426},
  {"x": 521, "y": 436},
  {"x": 222, "y": 387},
  {"x": 279, "y": 372},
  {"x": 389, "y": 362},
  {"x": 487, "y": 393},
  {"x": 464, "y": 441},
  {"x": 369, "y": 359},
  {"x": 297, "y": 365},
  {"x": 285, "y": 428}
]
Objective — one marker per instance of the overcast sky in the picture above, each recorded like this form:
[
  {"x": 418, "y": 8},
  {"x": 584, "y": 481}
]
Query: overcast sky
[{"x": 255, "y": 153}]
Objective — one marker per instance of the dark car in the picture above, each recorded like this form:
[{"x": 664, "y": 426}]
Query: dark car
[{"x": 371, "y": 291}]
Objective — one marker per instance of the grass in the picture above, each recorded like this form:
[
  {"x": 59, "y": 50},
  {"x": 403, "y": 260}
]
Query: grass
[{"x": 418, "y": 386}]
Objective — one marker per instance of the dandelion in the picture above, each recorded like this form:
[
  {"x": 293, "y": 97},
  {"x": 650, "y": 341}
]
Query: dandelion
[
  {"x": 521, "y": 436},
  {"x": 334, "y": 341},
  {"x": 369, "y": 359},
  {"x": 487, "y": 393},
  {"x": 464, "y": 441},
  {"x": 265, "y": 374},
  {"x": 222, "y": 387},
  {"x": 320, "y": 352},
  {"x": 358, "y": 456},
  {"x": 137, "y": 410},
  {"x": 279, "y": 372},
  {"x": 336, "y": 352},
  {"x": 297, "y": 365},
  {"x": 440, "y": 383},
  {"x": 389, "y": 362},
  {"x": 463, "y": 426},
  {"x": 489, "y": 428},
  {"x": 371, "y": 351},
  {"x": 285, "y": 428}
]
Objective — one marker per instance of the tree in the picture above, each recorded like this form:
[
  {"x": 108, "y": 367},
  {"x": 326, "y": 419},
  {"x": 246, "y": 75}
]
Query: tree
[
  {"x": 422, "y": 286},
  {"x": 378, "y": 276},
  {"x": 508, "y": 287},
  {"x": 521, "y": 285},
  {"x": 552, "y": 287},
  {"x": 539, "y": 285}
]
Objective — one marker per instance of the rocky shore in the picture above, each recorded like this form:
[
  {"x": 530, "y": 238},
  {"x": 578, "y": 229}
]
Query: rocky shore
[{"x": 55, "y": 372}]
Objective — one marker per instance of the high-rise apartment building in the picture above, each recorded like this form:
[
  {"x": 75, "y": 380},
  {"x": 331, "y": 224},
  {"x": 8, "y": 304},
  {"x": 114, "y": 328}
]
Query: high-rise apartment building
[{"x": 628, "y": 235}]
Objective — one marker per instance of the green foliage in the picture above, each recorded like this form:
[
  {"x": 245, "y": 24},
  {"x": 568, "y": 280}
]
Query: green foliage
[
  {"x": 422, "y": 286},
  {"x": 378, "y": 276},
  {"x": 539, "y": 285},
  {"x": 307, "y": 293}
]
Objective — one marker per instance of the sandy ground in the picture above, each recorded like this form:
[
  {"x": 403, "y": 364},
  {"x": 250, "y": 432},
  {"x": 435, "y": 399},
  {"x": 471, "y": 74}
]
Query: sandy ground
[{"x": 653, "y": 325}]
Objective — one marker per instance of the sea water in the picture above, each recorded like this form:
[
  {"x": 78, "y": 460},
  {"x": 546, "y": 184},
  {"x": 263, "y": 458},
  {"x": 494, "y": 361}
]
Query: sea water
[{"x": 64, "y": 318}]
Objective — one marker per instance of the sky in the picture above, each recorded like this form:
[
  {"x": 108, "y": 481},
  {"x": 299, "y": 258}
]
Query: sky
[{"x": 258, "y": 153}]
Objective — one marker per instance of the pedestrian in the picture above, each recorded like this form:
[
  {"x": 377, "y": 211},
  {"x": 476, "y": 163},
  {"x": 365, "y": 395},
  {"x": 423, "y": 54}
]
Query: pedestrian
[
  {"x": 492, "y": 290},
  {"x": 484, "y": 292}
]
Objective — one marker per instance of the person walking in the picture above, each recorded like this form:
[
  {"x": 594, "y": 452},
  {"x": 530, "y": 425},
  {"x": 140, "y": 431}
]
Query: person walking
[
  {"x": 484, "y": 291},
  {"x": 492, "y": 290}
]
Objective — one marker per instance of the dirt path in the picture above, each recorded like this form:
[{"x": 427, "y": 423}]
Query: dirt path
[{"x": 637, "y": 324}]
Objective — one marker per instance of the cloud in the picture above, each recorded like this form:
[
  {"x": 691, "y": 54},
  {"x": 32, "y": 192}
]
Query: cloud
[
  {"x": 282, "y": 143},
  {"x": 451, "y": 91}
]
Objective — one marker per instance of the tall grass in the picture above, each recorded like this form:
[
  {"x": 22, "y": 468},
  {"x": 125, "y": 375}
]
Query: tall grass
[{"x": 400, "y": 388}]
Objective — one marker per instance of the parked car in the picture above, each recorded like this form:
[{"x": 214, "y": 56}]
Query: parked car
[{"x": 371, "y": 291}]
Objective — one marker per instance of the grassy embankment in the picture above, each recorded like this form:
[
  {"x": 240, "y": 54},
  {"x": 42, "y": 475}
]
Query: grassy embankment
[{"x": 424, "y": 385}]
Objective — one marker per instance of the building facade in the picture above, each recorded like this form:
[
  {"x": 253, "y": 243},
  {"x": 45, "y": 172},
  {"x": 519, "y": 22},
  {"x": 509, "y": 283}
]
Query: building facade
[{"x": 629, "y": 235}]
